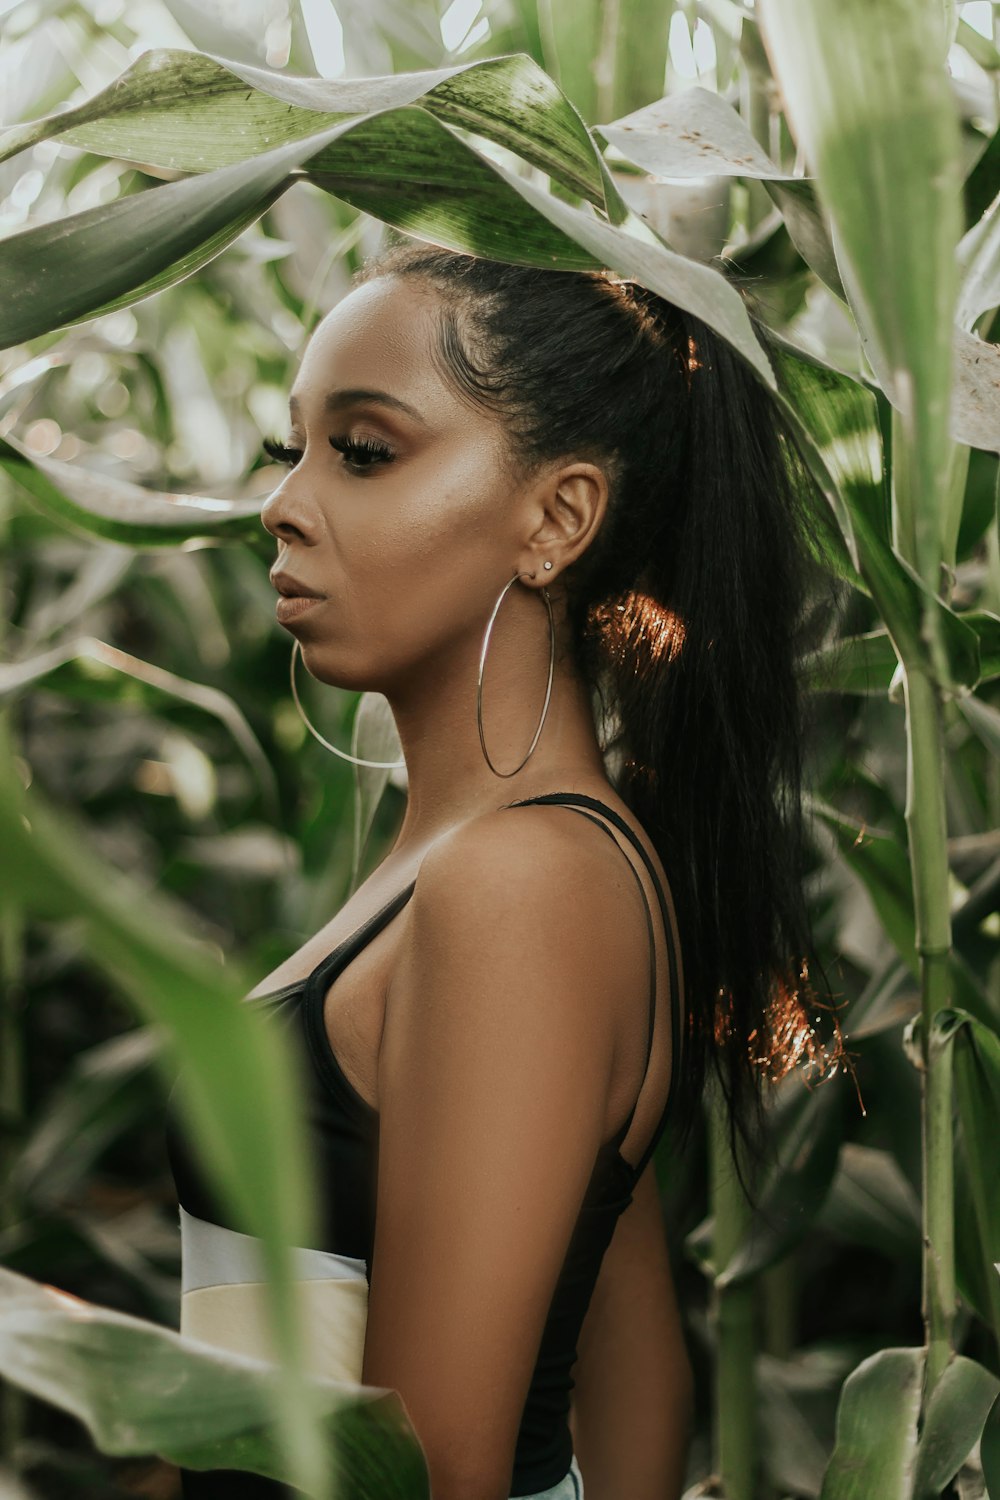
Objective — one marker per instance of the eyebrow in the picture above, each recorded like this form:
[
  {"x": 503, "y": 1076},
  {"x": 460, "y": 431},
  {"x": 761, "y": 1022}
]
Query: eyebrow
[{"x": 337, "y": 400}]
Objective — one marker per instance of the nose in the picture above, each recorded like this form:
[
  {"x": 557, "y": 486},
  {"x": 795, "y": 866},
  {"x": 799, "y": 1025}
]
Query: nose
[{"x": 284, "y": 516}]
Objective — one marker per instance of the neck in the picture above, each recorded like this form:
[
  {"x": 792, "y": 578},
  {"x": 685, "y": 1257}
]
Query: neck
[{"x": 448, "y": 778}]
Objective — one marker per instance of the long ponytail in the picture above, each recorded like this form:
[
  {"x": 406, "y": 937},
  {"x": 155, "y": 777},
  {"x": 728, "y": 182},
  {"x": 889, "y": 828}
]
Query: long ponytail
[{"x": 701, "y": 657}]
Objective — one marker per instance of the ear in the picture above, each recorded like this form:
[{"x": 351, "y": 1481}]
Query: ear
[{"x": 565, "y": 512}]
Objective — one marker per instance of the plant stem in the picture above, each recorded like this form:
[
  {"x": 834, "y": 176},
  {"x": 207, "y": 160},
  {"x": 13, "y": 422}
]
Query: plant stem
[
  {"x": 13, "y": 1402},
  {"x": 779, "y": 1307},
  {"x": 756, "y": 99},
  {"x": 927, "y": 830},
  {"x": 12, "y": 1107},
  {"x": 605, "y": 71},
  {"x": 736, "y": 1456}
]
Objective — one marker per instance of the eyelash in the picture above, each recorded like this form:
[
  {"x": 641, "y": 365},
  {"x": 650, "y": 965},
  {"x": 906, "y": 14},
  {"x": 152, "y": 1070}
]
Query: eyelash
[{"x": 369, "y": 449}]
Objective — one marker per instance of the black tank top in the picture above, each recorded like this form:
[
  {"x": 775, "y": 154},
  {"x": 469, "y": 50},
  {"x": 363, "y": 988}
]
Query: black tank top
[{"x": 346, "y": 1128}]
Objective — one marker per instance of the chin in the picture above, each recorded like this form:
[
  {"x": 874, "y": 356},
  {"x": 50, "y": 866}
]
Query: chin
[{"x": 328, "y": 664}]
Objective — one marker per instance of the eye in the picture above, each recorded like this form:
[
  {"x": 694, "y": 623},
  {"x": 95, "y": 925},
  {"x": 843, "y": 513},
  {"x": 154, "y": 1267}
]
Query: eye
[
  {"x": 362, "y": 454},
  {"x": 280, "y": 453}
]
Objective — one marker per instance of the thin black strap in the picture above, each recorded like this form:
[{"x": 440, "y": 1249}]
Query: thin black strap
[
  {"x": 577, "y": 800},
  {"x": 338, "y": 958},
  {"x": 347, "y": 949},
  {"x": 583, "y": 799},
  {"x": 652, "y": 957}
]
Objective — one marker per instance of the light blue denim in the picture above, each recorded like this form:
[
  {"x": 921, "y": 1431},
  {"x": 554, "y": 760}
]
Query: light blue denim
[{"x": 570, "y": 1487}]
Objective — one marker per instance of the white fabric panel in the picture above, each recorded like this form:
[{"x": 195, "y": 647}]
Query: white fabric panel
[
  {"x": 235, "y": 1317},
  {"x": 223, "y": 1300},
  {"x": 214, "y": 1256}
]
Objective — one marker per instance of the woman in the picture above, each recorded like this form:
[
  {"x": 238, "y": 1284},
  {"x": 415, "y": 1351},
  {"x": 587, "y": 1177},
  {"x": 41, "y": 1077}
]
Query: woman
[{"x": 564, "y": 472}]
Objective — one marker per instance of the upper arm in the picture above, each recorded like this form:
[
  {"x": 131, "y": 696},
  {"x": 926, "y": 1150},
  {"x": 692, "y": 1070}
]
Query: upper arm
[
  {"x": 633, "y": 1383},
  {"x": 494, "y": 1072}
]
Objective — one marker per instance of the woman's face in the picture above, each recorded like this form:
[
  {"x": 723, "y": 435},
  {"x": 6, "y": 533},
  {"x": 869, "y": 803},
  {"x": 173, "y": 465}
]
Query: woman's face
[{"x": 409, "y": 541}]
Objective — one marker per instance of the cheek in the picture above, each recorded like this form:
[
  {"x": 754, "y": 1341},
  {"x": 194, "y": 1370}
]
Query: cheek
[
  {"x": 422, "y": 556},
  {"x": 442, "y": 529}
]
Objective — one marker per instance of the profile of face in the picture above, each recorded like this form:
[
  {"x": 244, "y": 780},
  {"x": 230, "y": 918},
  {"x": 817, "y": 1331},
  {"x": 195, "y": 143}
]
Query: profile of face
[{"x": 410, "y": 537}]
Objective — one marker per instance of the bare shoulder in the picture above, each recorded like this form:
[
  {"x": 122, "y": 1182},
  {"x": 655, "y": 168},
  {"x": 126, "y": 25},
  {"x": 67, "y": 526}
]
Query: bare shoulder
[
  {"x": 531, "y": 892},
  {"x": 523, "y": 845}
]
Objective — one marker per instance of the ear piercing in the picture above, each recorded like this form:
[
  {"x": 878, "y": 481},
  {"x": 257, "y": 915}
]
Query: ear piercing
[{"x": 546, "y": 565}]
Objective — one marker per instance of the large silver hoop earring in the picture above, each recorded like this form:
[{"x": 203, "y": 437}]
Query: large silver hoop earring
[
  {"x": 357, "y": 760},
  {"x": 482, "y": 662}
]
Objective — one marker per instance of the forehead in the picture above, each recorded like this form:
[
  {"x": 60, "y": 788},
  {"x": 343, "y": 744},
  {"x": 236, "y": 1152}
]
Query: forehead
[{"x": 381, "y": 335}]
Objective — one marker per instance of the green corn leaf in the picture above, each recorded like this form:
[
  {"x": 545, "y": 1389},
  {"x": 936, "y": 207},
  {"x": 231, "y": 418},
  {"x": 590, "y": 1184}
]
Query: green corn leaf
[
  {"x": 808, "y": 1126},
  {"x": 865, "y": 664},
  {"x": 881, "y": 128},
  {"x": 692, "y": 133},
  {"x": 632, "y": 251},
  {"x": 872, "y": 1203},
  {"x": 604, "y": 67},
  {"x": 98, "y": 505},
  {"x": 876, "y": 1441},
  {"x": 112, "y": 1371},
  {"x": 862, "y": 664},
  {"x": 105, "y": 1092},
  {"x": 881, "y": 862},
  {"x": 697, "y": 133},
  {"x": 194, "y": 112},
  {"x": 977, "y": 1095},
  {"x": 793, "y": 1454},
  {"x": 979, "y": 265},
  {"x": 841, "y": 418},
  {"x": 117, "y": 253},
  {"x": 466, "y": 201},
  {"x": 982, "y": 718},
  {"x": 52, "y": 871},
  {"x": 571, "y": 38},
  {"x": 415, "y": 172},
  {"x": 636, "y": 50},
  {"x": 888, "y": 1000},
  {"x": 952, "y": 1423},
  {"x": 975, "y": 412},
  {"x": 979, "y": 47},
  {"x": 989, "y": 1452},
  {"x": 110, "y": 256},
  {"x": 972, "y": 1273}
]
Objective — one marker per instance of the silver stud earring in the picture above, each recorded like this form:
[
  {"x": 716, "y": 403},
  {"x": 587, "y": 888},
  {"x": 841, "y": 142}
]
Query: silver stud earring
[{"x": 546, "y": 565}]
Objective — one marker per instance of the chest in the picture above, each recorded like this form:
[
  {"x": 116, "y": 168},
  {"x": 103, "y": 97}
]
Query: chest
[
  {"x": 350, "y": 990},
  {"x": 353, "y": 1006}
]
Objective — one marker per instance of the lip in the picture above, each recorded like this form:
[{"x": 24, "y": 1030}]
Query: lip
[
  {"x": 292, "y": 587},
  {"x": 292, "y": 605}
]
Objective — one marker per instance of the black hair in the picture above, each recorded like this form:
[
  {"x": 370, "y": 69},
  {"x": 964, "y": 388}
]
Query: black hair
[{"x": 687, "y": 620}]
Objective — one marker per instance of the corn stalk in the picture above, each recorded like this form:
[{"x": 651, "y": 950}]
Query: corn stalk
[
  {"x": 736, "y": 1439},
  {"x": 881, "y": 134}
]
